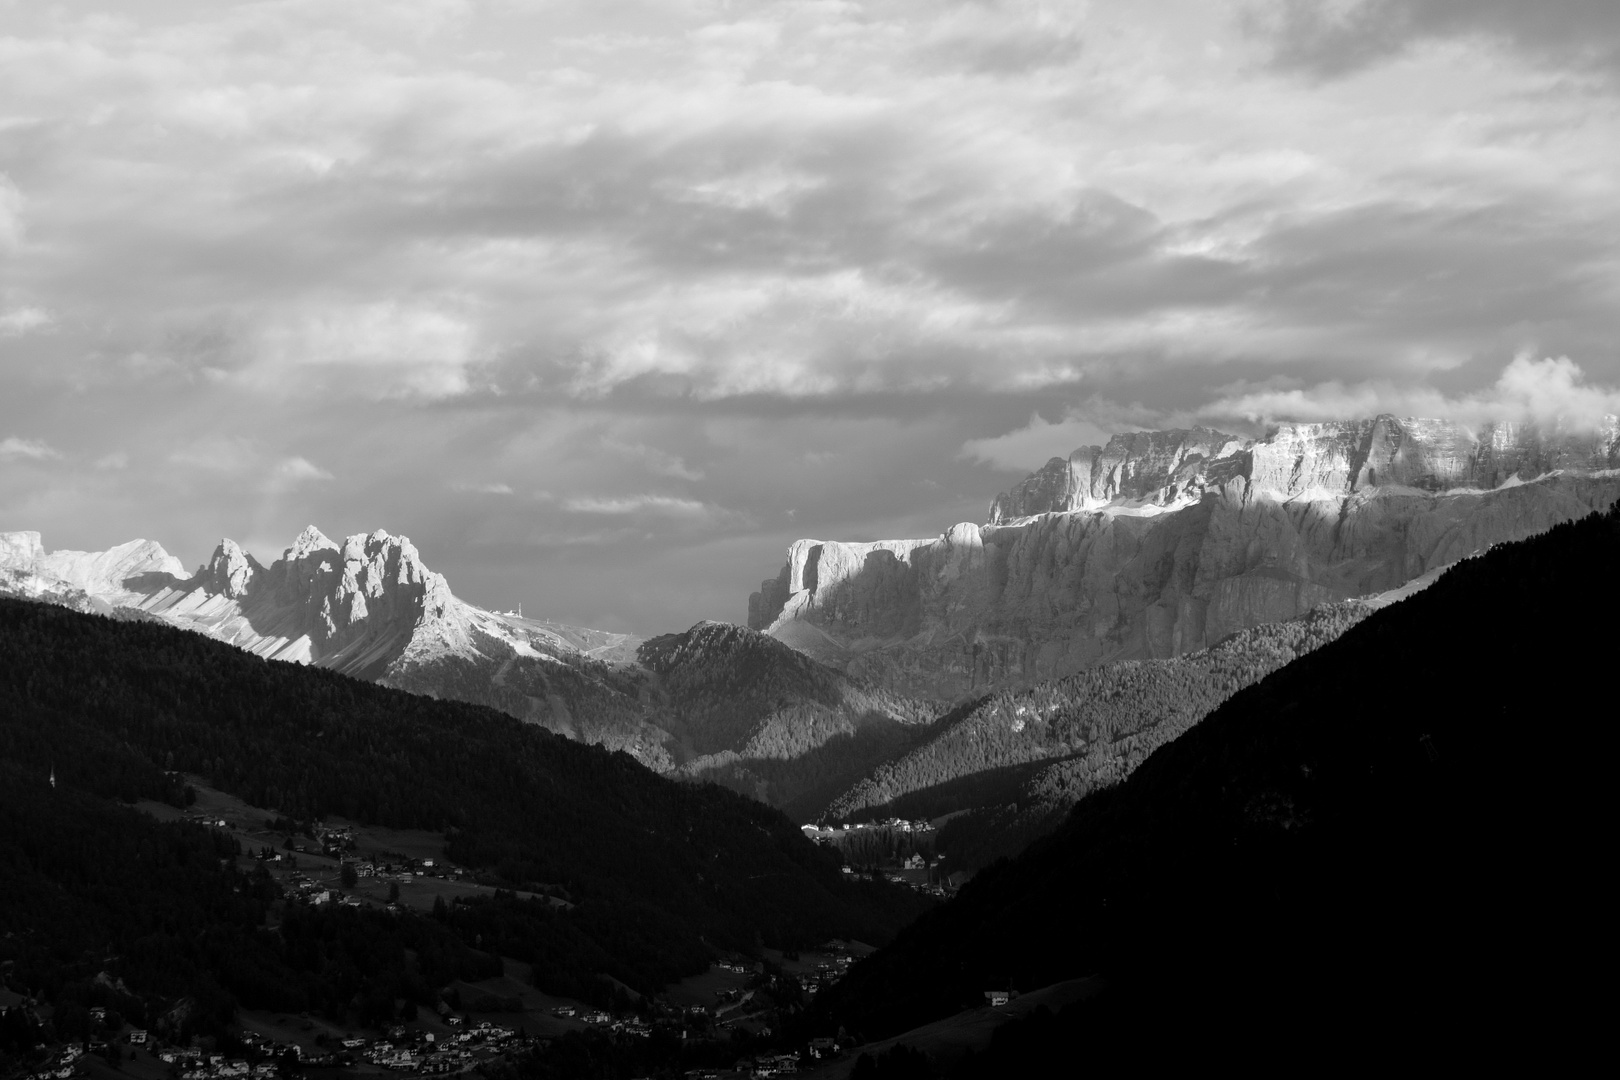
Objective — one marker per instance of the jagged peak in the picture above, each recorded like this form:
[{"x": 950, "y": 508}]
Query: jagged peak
[
  {"x": 232, "y": 570},
  {"x": 363, "y": 546},
  {"x": 309, "y": 541}
]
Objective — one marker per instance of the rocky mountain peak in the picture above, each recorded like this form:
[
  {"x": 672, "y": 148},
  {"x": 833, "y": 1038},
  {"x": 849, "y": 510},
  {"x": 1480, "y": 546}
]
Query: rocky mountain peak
[
  {"x": 309, "y": 542},
  {"x": 231, "y": 571}
]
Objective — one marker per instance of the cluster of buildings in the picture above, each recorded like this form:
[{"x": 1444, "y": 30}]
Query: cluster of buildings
[
  {"x": 62, "y": 1064},
  {"x": 826, "y": 973},
  {"x": 830, "y": 834},
  {"x": 194, "y": 1064},
  {"x": 767, "y": 1064},
  {"x": 625, "y": 1026},
  {"x": 600, "y": 1018},
  {"x": 426, "y": 1054},
  {"x": 419, "y": 1053},
  {"x": 763, "y": 1065},
  {"x": 408, "y": 870}
]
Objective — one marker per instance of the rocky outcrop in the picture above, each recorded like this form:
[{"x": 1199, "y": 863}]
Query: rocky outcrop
[
  {"x": 356, "y": 608},
  {"x": 1152, "y": 466},
  {"x": 84, "y": 580},
  {"x": 1163, "y": 543}
]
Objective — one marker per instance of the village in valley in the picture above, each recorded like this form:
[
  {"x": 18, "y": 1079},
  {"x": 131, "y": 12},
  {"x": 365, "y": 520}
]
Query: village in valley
[
  {"x": 895, "y": 850},
  {"x": 320, "y": 863},
  {"x": 735, "y": 995}
]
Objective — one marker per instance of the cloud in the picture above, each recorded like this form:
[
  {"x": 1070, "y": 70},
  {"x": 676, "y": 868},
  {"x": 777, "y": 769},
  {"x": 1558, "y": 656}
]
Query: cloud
[
  {"x": 115, "y": 460},
  {"x": 1033, "y": 445},
  {"x": 1004, "y": 39},
  {"x": 484, "y": 489},
  {"x": 656, "y": 461},
  {"x": 664, "y": 505},
  {"x": 11, "y": 214},
  {"x": 805, "y": 202},
  {"x": 13, "y": 448},
  {"x": 293, "y": 472},
  {"x": 22, "y": 320},
  {"x": 218, "y": 454},
  {"x": 241, "y": 457},
  {"x": 1546, "y": 390},
  {"x": 385, "y": 348},
  {"x": 1333, "y": 38}
]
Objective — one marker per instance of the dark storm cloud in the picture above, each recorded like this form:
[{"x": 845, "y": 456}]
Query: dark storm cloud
[{"x": 1329, "y": 39}]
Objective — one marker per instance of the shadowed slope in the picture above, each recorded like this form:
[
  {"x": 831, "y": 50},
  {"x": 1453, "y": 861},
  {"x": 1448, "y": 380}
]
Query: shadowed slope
[
  {"x": 114, "y": 705},
  {"x": 1391, "y": 838},
  {"x": 748, "y": 711}
]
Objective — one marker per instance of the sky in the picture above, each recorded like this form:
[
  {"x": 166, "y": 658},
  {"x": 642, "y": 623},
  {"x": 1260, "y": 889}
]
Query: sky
[{"x": 604, "y": 303}]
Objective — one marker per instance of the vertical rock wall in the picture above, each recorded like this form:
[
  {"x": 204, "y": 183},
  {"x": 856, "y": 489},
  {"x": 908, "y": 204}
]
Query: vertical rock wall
[{"x": 1162, "y": 543}]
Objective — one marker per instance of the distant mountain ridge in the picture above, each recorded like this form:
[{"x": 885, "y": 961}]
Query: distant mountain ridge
[
  {"x": 1324, "y": 460},
  {"x": 1163, "y": 543},
  {"x": 705, "y": 702}
]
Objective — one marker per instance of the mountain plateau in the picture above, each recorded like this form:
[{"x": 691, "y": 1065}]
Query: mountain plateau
[{"x": 1164, "y": 543}]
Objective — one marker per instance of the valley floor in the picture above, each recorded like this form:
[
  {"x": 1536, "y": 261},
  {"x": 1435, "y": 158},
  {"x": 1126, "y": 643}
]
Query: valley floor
[{"x": 947, "y": 1041}]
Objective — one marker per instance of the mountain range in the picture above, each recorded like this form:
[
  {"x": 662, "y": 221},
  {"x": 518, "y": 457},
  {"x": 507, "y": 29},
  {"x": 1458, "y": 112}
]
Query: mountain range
[
  {"x": 968, "y": 673},
  {"x": 1288, "y": 740},
  {"x": 1163, "y": 543},
  {"x": 716, "y": 701}
]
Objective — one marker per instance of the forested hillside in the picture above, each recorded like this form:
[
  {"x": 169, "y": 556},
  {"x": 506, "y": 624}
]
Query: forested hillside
[
  {"x": 176, "y": 932},
  {"x": 1369, "y": 847},
  {"x": 1010, "y": 765},
  {"x": 116, "y": 707},
  {"x": 753, "y": 714}
]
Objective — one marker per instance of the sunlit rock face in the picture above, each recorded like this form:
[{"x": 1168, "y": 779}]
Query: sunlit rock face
[
  {"x": 82, "y": 579},
  {"x": 1156, "y": 466},
  {"x": 356, "y": 608},
  {"x": 367, "y": 607},
  {"x": 1161, "y": 543}
]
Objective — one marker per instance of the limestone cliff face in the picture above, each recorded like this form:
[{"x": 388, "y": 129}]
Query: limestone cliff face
[
  {"x": 1162, "y": 543},
  {"x": 355, "y": 607},
  {"x": 82, "y": 579},
  {"x": 1155, "y": 466}
]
